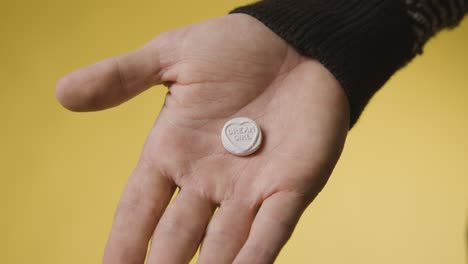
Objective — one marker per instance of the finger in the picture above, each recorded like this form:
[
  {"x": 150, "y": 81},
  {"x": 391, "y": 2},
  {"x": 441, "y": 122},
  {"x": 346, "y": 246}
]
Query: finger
[
  {"x": 181, "y": 229},
  {"x": 226, "y": 232},
  {"x": 112, "y": 81},
  {"x": 144, "y": 199},
  {"x": 271, "y": 229}
]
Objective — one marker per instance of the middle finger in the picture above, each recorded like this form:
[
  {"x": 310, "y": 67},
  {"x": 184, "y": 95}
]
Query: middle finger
[{"x": 181, "y": 228}]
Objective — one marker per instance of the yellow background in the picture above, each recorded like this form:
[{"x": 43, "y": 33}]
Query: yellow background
[{"x": 398, "y": 195}]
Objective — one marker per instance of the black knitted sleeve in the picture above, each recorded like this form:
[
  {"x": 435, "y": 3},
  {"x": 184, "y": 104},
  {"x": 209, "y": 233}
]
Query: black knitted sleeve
[
  {"x": 430, "y": 16},
  {"x": 361, "y": 42}
]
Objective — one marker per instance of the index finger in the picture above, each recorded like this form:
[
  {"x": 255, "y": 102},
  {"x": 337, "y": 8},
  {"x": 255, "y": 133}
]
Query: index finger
[{"x": 143, "y": 202}]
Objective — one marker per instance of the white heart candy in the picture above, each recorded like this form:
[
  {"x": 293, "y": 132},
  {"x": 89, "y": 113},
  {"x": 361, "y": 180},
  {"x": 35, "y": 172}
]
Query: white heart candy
[{"x": 241, "y": 136}]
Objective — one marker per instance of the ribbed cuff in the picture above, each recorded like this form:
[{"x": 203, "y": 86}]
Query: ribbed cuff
[
  {"x": 430, "y": 16},
  {"x": 361, "y": 42}
]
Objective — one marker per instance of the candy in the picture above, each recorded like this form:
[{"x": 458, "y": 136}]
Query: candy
[{"x": 241, "y": 136}]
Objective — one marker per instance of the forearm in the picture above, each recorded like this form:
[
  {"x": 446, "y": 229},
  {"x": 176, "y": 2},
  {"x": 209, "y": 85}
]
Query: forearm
[{"x": 362, "y": 42}]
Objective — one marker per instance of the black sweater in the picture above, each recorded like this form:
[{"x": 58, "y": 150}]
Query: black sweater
[{"x": 361, "y": 42}]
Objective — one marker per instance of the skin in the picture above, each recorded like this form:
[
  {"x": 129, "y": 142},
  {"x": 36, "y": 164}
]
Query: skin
[{"x": 223, "y": 68}]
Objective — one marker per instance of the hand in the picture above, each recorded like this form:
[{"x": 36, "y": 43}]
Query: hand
[{"x": 220, "y": 69}]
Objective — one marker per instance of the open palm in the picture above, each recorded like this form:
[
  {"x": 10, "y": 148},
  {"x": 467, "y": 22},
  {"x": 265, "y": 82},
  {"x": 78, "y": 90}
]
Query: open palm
[{"x": 217, "y": 70}]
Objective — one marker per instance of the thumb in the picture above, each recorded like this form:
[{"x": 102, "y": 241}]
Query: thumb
[{"x": 115, "y": 80}]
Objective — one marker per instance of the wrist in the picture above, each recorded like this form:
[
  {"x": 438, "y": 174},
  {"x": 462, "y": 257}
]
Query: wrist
[{"x": 362, "y": 43}]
